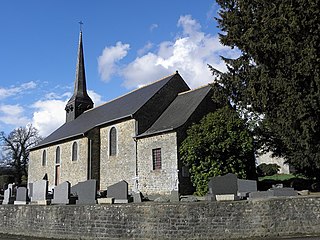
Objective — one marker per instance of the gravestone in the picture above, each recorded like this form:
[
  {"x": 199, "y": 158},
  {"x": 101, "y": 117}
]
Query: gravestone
[
  {"x": 260, "y": 195},
  {"x": 283, "y": 192},
  {"x": 40, "y": 192},
  {"x": 30, "y": 190},
  {"x": 273, "y": 193},
  {"x": 6, "y": 196},
  {"x": 174, "y": 196},
  {"x": 226, "y": 184},
  {"x": 137, "y": 197},
  {"x": 86, "y": 192},
  {"x": 229, "y": 184},
  {"x": 61, "y": 194},
  {"x": 119, "y": 192},
  {"x": 9, "y": 197},
  {"x": 245, "y": 187},
  {"x": 22, "y": 196}
]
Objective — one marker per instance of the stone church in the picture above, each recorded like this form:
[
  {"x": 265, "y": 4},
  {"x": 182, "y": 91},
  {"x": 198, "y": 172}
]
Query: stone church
[{"x": 135, "y": 137}]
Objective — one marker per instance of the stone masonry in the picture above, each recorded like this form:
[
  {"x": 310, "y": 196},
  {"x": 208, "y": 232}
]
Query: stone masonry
[
  {"x": 158, "y": 181},
  {"x": 273, "y": 218},
  {"x": 72, "y": 171},
  {"x": 122, "y": 166}
]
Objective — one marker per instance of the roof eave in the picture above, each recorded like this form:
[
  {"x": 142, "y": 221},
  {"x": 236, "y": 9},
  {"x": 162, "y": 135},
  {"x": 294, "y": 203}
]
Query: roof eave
[{"x": 156, "y": 132}]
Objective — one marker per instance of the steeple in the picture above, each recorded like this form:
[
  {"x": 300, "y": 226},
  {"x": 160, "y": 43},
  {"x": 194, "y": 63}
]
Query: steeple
[{"x": 80, "y": 100}]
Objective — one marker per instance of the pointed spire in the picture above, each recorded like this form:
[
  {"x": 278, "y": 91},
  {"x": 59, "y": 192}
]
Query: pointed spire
[
  {"x": 80, "y": 88},
  {"x": 80, "y": 100}
]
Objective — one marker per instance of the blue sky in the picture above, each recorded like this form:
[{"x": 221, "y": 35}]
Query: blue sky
[{"x": 127, "y": 44}]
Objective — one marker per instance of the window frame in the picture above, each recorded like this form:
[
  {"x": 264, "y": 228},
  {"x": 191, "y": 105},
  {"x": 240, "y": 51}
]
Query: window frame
[
  {"x": 75, "y": 152},
  {"x": 44, "y": 158},
  {"x": 156, "y": 159},
  {"x": 58, "y": 156},
  {"x": 113, "y": 141}
]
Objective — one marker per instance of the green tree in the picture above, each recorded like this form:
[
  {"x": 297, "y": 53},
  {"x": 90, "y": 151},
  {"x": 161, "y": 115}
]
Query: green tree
[
  {"x": 221, "y": 143},
  {"x": 16, "y": 146},
  {"x": 277, "y": 74}
]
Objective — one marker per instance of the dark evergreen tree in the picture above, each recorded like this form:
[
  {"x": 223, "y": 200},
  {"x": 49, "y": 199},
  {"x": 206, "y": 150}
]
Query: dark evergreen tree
[{"x": 277, "y": 74}]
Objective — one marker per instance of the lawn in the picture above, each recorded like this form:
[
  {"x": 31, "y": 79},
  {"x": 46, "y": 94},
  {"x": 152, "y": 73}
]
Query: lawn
[{"x": 278, "y": 177}]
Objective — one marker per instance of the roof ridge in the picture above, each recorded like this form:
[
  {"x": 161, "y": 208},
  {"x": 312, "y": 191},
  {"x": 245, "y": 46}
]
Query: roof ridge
[
  {"x": 195, "y": 89},
  {"x": 134, "y": 90}
]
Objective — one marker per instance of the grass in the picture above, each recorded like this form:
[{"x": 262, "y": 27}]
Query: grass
[
  {"x": 277, "y": 177},
  {"x": 288, "y": 180}
]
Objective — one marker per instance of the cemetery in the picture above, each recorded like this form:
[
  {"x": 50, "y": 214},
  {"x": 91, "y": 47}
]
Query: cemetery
[
  {"x": 233, "y": 208},
  {"x": 221, "y": 188}
]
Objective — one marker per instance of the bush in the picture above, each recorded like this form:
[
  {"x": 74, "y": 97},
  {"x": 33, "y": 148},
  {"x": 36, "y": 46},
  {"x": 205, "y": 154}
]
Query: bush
[
  {"x": 267, "y": 169},
  {"x": 221, "y": 143}
]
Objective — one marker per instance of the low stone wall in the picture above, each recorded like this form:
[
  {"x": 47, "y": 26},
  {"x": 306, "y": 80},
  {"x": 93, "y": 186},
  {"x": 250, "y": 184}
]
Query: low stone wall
[{"x": 200, "y": 220}]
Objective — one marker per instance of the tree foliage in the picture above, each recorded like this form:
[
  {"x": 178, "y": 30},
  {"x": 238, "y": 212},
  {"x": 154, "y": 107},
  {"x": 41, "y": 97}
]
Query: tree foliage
[
  {"x": 16, "y": 146},
  {"x": 221, "y": 143},
  {"x": 277, "y": 74},
  {"x": 267, "y": 169}
]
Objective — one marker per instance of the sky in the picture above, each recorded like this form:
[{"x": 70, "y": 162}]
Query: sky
[{"x": 127, "y": 44}]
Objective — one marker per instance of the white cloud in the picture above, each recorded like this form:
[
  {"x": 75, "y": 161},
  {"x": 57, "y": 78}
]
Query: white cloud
[
  {"x": 96, "y": 98},
  {"x": 145, "y": 48},
  {"x": 153, "y": 26},
  {"x": 13, "y": 115},
  {"x": 110, "y": 56},
  {"x": 189, "y": 53},
  {"x": 48, "y": 115},
  {"x": 8, "y": 92}
]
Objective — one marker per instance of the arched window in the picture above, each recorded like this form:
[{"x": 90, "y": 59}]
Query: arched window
[
  {"x": 58, "y": 155},
  {"x": 44, "y": 158},
  {"x": 75, "y": 151},
  {"x": 113, "y": 141}
]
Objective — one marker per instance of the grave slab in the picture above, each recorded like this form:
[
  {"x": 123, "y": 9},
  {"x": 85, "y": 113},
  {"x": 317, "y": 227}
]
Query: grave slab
[
  {"x": 226, "y": 197},
  {"x": 39, "y": 191},
  {"x": 105, "y": 200},
  {"x": 61, "y": 194},
  {"x": 86, "y": 192},
  {"x": 118, "y": 190},
  {"x": 22, "y": 196}
]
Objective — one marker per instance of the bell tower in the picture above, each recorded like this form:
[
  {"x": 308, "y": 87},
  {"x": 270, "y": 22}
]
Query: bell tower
[{"x": 80, "y": 100}]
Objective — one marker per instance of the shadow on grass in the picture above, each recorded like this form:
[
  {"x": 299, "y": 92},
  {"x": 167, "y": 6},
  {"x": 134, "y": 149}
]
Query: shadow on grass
[{"x": 295, "y": 182}]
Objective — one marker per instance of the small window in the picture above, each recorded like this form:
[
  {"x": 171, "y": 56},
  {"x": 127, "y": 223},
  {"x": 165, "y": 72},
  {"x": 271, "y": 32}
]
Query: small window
[
  {"x": 156, "y": 158},
  {"x": 44, "y": 158},
  {"x": 58, "y": 155},
  {"x": 74, "y": 151},
  {"x": 113, "y": 141}
]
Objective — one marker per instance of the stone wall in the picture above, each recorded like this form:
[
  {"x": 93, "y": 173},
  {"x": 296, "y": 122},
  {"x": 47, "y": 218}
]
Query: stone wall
[
  {"x": 122, "y": 166},
  {"x": 72, "y": 171},
  {"x": 160, "y": 181},
  {"x": 203, "y": 220}
]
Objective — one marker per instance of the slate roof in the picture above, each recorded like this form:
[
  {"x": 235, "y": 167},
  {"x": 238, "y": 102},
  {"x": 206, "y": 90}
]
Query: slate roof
[
  {"x": 119, "y": 108},
  {"x": 179, "y": 111}
]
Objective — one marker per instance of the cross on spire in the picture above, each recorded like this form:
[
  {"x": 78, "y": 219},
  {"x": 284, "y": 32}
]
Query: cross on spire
[{"x": 80, "y": 23}]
